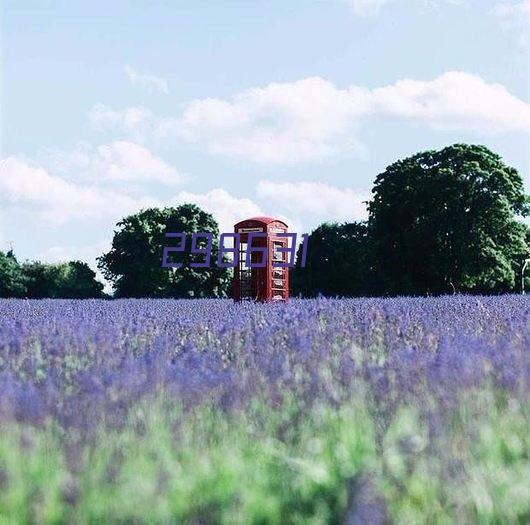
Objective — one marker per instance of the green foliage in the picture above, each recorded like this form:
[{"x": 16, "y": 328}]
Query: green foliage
[
  {"x": 31, "y": 477},
  {"x": 337, "y": 262},
  {"x": 211, "y": 468},
  {"x": 444, "y": 221},
  {"x": 43, "y": 279},
  {"x": 272, "y": 465},
  {"x": 12, "y": 279},
  {"x": 473, "y": 470},
  {"x": 71, "y": 280},
  {"x": 134, "y": 262},
  {"x": 36, "y": 280},
  {"x": 79, "y": 282}
]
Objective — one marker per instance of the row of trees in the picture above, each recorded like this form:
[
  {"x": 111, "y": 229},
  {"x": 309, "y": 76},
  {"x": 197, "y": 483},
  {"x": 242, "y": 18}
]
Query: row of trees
[
  {"x": 36, "y": 280},
  {"x": 439, "y": 222}
]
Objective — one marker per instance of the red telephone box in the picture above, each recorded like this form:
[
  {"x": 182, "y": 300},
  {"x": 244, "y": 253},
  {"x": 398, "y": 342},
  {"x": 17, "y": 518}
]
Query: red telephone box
[{"x": 267, "y": 283}]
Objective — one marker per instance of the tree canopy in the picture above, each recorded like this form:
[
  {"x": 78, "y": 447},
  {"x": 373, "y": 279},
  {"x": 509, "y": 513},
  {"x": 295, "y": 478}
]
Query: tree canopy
[
  {"x": 337, "y": 262},
  {"x": 69, "y": 280},
  {"x": 134, "y": 263},
  {"x": 12, "y": 278},
  {"x": 443, "y": 221},
  {"x": 36, "y": 280}
]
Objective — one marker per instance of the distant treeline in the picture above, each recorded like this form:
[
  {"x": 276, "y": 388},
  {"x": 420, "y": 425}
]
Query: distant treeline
[
  {"x": 446, "y": 221},
  {"x": 37, "y": 280}
]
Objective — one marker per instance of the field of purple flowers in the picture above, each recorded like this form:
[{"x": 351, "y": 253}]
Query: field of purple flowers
[{"x": 314, "y": 411}]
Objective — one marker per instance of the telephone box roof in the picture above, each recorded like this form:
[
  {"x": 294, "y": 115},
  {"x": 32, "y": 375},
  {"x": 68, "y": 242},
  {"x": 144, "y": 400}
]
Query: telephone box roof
[{"x": 263, "y": 220}]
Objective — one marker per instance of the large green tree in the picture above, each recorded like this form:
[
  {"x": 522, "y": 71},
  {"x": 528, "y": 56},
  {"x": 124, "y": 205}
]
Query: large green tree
[
  {"x": 337, "y": 262},
  {"x": 134, "y": 263},
  {"x": 12, "y": 278},
  {"x": 446, "y": 220}
]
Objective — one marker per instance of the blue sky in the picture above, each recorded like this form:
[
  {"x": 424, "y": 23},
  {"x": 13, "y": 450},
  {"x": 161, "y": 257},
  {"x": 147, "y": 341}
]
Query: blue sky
[{"x": 287, "y": 108}]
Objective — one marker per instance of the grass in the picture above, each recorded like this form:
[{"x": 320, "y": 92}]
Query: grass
[{"x": 259, "y": 467}]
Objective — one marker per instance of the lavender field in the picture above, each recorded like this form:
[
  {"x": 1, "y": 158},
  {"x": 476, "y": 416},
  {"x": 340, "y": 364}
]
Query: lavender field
[{"x": 314, "y": 411}]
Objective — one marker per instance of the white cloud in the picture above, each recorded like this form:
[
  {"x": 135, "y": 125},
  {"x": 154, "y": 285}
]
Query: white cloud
[
  {"x": 147, "y": 80},
  {"x": 455, "y": 100},
  {"x": 292, "y": 122},
  {"x": 56, "y": 200},
  {"x": 516, "y": 17},
  {"x": 280, "y": 123},
  {"x": 315, "y": 201},
  {"x": 126, "y": 161},
  {"x": 226, "y": 209},
  {"x": 119, "y": 161},
  {"x": 311, "y": 119}
]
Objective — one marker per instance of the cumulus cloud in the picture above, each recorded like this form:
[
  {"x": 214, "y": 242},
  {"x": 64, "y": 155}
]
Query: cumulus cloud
[
  {"x": 126, "y": 161},
  {"x": 226, "y": 208},
  {"x": 311, "y": 119},
  {"x": 291, "y": 122},
  {"x": 454, "y": 100},
  {"x": 147, "y": 80},
  {"x": 119, "y": 161},
  {"x": 315, "y": 201},
  {"x": 56, "y": 200}
]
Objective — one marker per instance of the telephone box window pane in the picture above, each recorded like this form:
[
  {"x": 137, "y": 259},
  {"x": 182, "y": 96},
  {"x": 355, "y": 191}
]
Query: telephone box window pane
[
  {"x": 277, "y": 255},
  {"x": 245, "y": 274},
  {"x": 243, "y": 255},
  {"x": 245, "y": 281}
]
